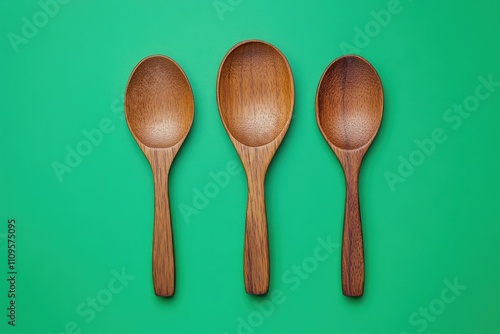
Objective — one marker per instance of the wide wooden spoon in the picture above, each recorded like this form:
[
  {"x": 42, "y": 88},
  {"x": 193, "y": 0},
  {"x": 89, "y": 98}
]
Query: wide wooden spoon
[
  {"x": 159, "y": 107},
  {"x": 349, "y": 106},
  {"x": 255, "y": 95}
]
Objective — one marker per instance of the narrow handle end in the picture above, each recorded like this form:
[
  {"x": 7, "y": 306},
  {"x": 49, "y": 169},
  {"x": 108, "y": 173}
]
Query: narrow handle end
[
  {"x": 353, "y": 262},
  {"x": 256, "y": 265},
  {"x": 163, "y": 242}
]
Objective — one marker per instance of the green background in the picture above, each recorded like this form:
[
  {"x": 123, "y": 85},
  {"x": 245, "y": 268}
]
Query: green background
[{"x": 440, "y": 224}]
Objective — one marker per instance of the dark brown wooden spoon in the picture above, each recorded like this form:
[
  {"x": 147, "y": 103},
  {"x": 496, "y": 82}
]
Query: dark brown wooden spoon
[
  {"x": 255, "y": 95},
  {"x": 159, "y": 107},
  {"x": 349, "y": 107}
]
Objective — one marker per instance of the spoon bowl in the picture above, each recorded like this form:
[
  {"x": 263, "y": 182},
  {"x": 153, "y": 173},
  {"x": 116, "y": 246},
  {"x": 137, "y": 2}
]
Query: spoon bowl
[
  {"x": 349, "y": 107},
  {"x": 255, "y": 108},
  {"x": 159, "y": 109},
  {"x": 255, "y": 95},
  {"x": 348, "y": 113},
  {"x": 160, "y": 106}
]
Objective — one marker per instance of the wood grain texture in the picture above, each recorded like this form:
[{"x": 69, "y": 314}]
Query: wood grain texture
[
  {"x": 159, "y": 108},
  {"x": 255, "y": 95},
  {"x": 349, "y": 107}
]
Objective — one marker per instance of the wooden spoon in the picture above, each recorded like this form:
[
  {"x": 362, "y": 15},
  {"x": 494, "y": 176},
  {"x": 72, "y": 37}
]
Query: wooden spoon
[
  {"x": 255, "y": 95},
  {"x": 349, "y": 106},
  {"x": 159, "y": 107}
]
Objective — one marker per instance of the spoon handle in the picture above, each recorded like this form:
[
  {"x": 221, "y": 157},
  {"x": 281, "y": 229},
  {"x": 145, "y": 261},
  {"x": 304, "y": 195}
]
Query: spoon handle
[
  {"x": 256, "y": 265},
  {"x": 163, "y": 246},
  {"x": 353, "y": 262}
]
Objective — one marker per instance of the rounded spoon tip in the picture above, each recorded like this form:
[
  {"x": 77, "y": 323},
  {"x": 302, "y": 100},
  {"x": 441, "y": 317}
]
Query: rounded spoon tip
[
  {"x": 255, "y": 93},
  {"x": 349, "y": 103},
  {"x": 159, "y": 103}
]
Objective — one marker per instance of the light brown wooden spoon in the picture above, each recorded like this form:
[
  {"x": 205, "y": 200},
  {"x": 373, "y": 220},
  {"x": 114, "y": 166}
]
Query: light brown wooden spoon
[
  {"x": 159, "y": 107},
  {"x": 255, "y": 95},
  {"x": 349, "y": 106}
]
